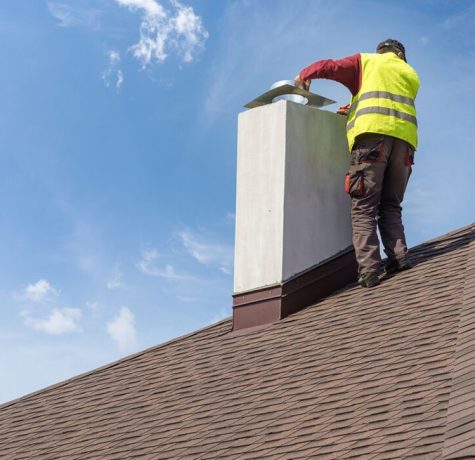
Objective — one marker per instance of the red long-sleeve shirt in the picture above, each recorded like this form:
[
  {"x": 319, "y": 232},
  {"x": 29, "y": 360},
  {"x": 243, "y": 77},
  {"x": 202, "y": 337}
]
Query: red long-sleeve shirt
[{"x": 346, "y": 71}]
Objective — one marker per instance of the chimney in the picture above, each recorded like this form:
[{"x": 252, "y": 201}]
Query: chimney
[{"x": 293, "y": 228}]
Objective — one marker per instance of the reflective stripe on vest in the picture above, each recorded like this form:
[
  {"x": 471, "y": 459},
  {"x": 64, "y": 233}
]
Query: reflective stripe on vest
[
  {"x": 385, "y": 102},
  {"x": 382, "y": 111},
  {"x": 381, "y": 95}
]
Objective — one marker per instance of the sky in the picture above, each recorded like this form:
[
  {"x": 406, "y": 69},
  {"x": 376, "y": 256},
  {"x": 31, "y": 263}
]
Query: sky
[{"x": 117, "y": 171}]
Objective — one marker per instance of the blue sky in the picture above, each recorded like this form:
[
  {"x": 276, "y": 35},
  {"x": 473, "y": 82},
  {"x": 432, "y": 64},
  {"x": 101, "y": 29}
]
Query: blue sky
[{"x": 117, "y": 171}]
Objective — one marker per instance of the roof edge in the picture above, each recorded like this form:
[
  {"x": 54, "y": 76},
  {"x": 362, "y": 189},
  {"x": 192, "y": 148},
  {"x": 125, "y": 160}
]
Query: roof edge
[
  {"x": 459, "y": 438},
  {"x": 445, "y": 236},
  {"x": 115, "y": 363}
]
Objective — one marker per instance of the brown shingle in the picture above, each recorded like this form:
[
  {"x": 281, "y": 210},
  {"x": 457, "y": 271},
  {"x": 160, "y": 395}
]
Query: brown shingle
[{"x": 376, "y": 374}]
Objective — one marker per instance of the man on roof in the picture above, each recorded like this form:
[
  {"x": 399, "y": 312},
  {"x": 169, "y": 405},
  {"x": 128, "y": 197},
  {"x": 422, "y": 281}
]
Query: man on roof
[{"x": 382, "y": 138}]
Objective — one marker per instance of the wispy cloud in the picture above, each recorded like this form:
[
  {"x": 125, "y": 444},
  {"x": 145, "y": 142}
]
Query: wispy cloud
[
  {"x": 60, "y": 321},
  {"x": 148, "y": 256},
  {"x": 178, "y": 29},
  {"x": 189, "y": 281},
  {"x": 93, "y": 308},
  {"x": 72, "y": 15},
  {"x": 147, "y": 265},
  {"x": 465, "y": 16},
  {"x": 122, "y": 329},
  {"x": 206, "y": 251},
  {"x": 115, "y": 280},
  {"x": 113, "y": 75},
  {"x": 40, "y": 291}
]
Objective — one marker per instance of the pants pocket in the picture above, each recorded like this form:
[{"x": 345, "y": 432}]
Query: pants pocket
[
  {"x": 368, "y": 151},
  {"x": 354, "y": 183},
  {"x": 409, "y": 159}
]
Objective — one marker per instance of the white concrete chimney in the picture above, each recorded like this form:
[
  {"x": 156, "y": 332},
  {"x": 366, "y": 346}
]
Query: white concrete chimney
[{"x": 293, "y": 227}]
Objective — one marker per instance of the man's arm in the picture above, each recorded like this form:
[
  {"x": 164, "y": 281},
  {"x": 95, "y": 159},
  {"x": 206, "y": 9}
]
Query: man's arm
[{"x": 346, "y": 71}]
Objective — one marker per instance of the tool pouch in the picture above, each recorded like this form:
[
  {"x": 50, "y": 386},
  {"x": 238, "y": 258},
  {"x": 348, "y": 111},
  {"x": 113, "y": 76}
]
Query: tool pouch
[{"x": 354, "y": 184}]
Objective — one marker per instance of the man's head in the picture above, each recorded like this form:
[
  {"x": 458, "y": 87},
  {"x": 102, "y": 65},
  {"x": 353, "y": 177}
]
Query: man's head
[{"x": 392, "y": 46}]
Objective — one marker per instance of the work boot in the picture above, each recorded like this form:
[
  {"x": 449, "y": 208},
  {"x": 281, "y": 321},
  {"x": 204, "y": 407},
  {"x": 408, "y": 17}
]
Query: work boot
[
  {"x": 368, "y": 280},
  {"x": 397, "y": 265}
]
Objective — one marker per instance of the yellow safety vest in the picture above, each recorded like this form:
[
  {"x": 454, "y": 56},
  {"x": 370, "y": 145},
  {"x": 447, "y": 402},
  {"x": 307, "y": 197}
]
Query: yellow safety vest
[{"x": 385, "y": 102}]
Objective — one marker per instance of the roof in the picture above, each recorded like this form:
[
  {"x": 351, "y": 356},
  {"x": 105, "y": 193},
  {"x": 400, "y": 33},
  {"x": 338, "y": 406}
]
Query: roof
[{"x": 382, "y": 373}]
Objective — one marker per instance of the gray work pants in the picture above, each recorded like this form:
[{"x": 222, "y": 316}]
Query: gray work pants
[{"x": 377, "y": 179}]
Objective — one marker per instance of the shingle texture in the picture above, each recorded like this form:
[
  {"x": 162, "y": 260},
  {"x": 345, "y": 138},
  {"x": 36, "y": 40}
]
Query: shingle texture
[{"x": 384, "y": 373}]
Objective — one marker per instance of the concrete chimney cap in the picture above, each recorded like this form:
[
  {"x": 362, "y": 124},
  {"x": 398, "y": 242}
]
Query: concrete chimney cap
[{"x": 286, "y": 89}]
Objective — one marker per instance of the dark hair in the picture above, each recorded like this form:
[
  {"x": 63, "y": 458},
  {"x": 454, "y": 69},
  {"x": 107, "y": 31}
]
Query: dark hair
[{"x": 392, "y": 46}]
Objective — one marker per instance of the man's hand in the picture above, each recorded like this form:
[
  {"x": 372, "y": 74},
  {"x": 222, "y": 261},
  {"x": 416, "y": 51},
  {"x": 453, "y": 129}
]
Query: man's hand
[
  {"x": 300, "y": 83},
  {"x": 343, "y": 110}
]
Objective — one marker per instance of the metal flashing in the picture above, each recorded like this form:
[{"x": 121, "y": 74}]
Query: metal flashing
[{"x": 314, "y": 100}]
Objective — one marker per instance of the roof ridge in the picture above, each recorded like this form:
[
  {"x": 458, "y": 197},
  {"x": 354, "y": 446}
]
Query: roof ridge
[{"x": 113, "y": 363}]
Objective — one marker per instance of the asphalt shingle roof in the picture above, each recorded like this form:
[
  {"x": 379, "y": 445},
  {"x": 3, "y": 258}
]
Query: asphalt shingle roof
[{"x": 382, "y": 373}]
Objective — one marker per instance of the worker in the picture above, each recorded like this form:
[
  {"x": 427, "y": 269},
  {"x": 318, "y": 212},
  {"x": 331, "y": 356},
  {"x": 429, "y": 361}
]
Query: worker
[{"x": 382, "y": 138}]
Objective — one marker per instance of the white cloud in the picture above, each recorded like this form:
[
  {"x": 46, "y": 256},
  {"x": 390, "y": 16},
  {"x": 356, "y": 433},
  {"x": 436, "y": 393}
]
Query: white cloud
[
  {"x": 151, "y": 7},
  {"x": 39, "y": 291},
  {"x": 161, "y": 31},
  {"x": 207, "y": 252},
  {"x": 189, "y": 30},
  {"x": 113, "y": 75},
  {"x": 69, "y": 15},
  {"x": 147, "y": 266},
  {"x": 60, "y": 321},
  {"x": 122, "y": 329}
]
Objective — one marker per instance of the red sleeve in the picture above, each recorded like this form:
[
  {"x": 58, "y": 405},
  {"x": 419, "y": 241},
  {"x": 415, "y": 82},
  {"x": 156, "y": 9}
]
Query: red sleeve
[{"x": 346, "y": 71}]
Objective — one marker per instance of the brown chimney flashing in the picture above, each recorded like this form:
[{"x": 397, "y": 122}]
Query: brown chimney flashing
[{"x": 272, "y": 303}]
